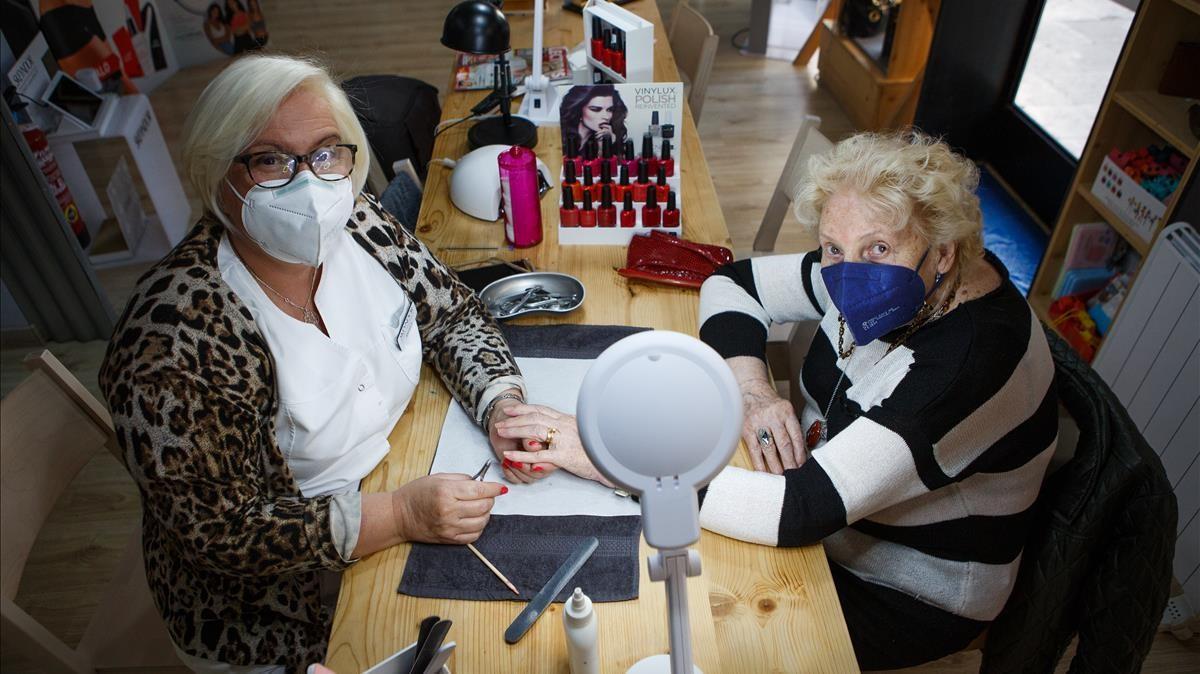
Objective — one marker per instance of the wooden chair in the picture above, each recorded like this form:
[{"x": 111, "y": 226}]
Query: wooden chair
[
  {"x": 788, "y": 342},
  {"x": 695, "y": 46},
  {"x": 52, "y": 428},
  {"x": 809, "y": 141}
]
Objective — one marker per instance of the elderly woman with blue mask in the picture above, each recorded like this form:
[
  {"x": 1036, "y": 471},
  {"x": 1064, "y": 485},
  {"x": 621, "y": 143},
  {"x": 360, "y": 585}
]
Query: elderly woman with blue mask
[
  {"x": 259, "y": 368},
  {"x": 928, "y": 416}
]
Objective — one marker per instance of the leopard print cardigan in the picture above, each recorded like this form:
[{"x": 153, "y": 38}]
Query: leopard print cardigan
[{"x": 233, "y": 551}]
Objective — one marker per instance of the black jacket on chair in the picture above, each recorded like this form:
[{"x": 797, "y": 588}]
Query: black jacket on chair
[
  {"x": 399, "y": 115},
  {"x": 1100, "y": 562}
]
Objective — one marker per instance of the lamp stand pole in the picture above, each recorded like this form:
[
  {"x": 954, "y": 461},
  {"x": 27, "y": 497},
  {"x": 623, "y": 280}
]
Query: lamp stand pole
[
  {"x": 673, "y": 567},
  {"x": 540, "y": 104},
  {"x": 505, "y": 129}
]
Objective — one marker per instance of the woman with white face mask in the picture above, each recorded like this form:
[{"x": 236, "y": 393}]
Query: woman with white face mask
[
  {"x": 928, "y": 414},
  {"x": 259, "y": 368}
]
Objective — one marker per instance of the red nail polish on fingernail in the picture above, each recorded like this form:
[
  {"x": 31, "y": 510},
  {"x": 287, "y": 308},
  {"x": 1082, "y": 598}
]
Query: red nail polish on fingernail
[
  {"x": 503, "y": 490},
  {"x": 537, "y": 467},
  {"x": 506, "y": 463}
]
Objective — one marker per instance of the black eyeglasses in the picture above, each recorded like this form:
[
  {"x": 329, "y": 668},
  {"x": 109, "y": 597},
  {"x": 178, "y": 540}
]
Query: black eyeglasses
[{"x": 276, "y": 169}]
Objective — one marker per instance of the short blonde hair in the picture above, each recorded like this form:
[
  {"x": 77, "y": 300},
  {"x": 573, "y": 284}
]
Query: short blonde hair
[
  {"x": 909, "y": 179},
  {"x": 237, "y": 105}
]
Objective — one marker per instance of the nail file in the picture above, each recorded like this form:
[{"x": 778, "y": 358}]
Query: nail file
[{"x": 533, "y": 610}]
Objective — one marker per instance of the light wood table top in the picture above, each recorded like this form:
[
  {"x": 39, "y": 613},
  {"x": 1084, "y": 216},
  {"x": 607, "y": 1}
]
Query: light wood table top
[{"x": 754, "y": 608}]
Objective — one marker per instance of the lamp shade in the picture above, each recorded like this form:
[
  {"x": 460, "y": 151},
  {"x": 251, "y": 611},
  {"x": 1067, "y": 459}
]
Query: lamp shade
[{"x": 476, "y": 27}]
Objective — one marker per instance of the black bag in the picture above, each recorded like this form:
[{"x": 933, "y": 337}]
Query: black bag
[
  {"x": 399, "y": 115},
  {"x": 863, "y": 18}
]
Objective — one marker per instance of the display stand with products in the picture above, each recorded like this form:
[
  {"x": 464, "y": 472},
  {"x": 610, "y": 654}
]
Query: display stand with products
[
  {"x": 618, "y": 43},
  {"x": 1139, "y": 158},
  {"x": 133, "y": 120},
  {"x": 619, "y": 136}
]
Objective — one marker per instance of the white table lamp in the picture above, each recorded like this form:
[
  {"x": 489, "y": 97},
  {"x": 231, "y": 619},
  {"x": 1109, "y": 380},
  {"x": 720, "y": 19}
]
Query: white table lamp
[
  {"x": 660, "y": 415},
  {"x": 540, "y": 104}
]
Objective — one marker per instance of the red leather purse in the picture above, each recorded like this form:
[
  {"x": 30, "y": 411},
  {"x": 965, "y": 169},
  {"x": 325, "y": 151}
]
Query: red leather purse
[{"x": 662, "y": 258}]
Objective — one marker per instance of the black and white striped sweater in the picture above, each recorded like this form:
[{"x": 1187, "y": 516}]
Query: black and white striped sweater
[{"x": 936, "y": 450}]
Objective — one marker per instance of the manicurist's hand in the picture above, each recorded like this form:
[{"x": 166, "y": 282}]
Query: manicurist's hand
[
  {"x": 564, "y": 451},
  {"x": 523, "y": 472},
  {"x": 764, "y": 409},
  {"x": 444, "y": 508}
]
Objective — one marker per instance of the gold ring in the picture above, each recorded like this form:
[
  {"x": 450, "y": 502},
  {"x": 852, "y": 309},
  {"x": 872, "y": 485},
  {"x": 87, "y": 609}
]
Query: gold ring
[{"x": 550, "y": 433}]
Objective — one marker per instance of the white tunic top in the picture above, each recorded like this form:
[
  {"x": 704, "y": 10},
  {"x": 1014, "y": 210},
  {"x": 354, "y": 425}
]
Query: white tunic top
[{"x": 339, "y": 395}]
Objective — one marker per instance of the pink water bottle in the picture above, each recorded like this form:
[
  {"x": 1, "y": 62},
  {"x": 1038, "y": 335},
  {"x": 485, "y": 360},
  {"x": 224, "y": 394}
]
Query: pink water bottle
[{"x": 519, "y": 198}]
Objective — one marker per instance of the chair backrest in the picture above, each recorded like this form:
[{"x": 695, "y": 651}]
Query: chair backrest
[
  {"x": 52, "y": 428},
  {"x": 809, "y": 141},
  {"x": 694, "y": 45}
]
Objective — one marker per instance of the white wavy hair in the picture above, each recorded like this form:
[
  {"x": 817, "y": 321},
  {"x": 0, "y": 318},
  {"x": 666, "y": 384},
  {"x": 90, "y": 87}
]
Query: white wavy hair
[{"x": 235, "y": 107}]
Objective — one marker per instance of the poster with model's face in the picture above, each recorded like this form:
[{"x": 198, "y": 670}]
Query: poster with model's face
[{"x": 619, "y": 112}]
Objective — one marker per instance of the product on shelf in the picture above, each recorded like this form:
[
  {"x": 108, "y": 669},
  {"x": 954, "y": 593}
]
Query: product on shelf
[
  {"x": 620, "y": 44},
  {"x": 600, "y": 126},
  {"x": 1137, "y": 185},
  {"x": 1070, "y": 317}
]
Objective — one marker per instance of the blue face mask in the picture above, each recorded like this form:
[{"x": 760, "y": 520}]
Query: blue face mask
[{"x": 876, "y": 298}]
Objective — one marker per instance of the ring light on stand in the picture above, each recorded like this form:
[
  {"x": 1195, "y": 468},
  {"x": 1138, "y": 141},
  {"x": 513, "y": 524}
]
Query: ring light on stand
[
  {"x": 660, "y": 415},
  {"x": 478, "y": 27},
  {"x": 540, "y": 104}
]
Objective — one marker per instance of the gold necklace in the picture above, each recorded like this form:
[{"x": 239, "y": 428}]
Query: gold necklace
[
  {"x": 309, "y": 316},
  {"x": 818, "y": 431}
]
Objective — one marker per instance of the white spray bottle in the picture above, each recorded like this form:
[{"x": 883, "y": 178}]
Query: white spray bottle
[{"x": 579, "y": 622}]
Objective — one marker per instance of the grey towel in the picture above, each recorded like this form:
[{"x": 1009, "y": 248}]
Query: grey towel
[
  {"x": 528, "y": 550},
  {"x": 564, "y": 341}
]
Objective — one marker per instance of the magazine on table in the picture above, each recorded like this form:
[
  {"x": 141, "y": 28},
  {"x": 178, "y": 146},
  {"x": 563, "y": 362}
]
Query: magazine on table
[{"x": 474, "y": 71}]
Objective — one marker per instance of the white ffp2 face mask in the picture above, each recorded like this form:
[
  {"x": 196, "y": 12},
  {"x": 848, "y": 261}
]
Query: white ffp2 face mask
[{"x": 300, "y": 222}]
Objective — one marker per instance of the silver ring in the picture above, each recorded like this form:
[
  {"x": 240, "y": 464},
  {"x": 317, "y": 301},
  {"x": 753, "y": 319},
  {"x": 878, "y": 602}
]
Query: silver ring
[{"x": 764, "y": 437}]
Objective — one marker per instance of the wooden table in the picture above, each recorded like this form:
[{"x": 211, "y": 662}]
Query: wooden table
[{"x": 754, "y": 609}]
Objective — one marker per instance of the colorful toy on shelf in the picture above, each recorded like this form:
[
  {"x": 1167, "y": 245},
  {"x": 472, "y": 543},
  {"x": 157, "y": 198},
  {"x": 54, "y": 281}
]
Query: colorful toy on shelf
[
  {"x": 1070, "y": 317},
  {"x": 1137, "y": 185}
]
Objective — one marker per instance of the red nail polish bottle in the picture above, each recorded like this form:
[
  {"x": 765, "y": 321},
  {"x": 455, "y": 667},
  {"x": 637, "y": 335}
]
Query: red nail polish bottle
[
  {"x": 670, "y": 216},
  {"x": 586, "y": 187},
  {"x": 651, "y": 213},
  {"x": 642, "y": 185},
  {"x": 605, "y": 173},
  {"x": 619, "y": 58},
  {"x": 622, "y": 186},
  {"x": 608, "y": 156},
  {"x": 666, "y": 159},
  {"x": 606, "y": 215},
  {"x": 597, "y": 39},
  {"x": 648, "y": 157},
  {"x": 587, "y": 216},
  {"x": 607, "y": 54},
  {"x": 628, "y": 212},
  {"x": 570, "y": 182},
  {"x": 571, "y": 156},
  {"x": 662, "y": 188},
  {"x": 568, "y": 215},
  {"x": 629, "y": 158}
]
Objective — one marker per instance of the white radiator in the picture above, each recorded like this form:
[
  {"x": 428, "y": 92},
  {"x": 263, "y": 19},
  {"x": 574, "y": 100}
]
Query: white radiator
[{"x": 1151, "y": 359}]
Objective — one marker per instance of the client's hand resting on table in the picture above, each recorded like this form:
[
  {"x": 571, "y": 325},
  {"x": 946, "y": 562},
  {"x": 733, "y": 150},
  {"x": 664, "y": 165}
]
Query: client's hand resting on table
[
  {"x": 522, "y": 472},
  {"x": 533, "y": 424}
]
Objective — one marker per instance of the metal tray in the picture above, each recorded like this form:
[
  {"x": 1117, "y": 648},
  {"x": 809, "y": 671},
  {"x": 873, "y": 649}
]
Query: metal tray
[{"x": 508, "y": 288}]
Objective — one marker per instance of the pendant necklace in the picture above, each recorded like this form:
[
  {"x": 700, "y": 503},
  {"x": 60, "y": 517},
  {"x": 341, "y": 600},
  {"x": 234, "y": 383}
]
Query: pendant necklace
[
  {"x": 818, "y": 431},
  {"x": 309, "y": 315}
]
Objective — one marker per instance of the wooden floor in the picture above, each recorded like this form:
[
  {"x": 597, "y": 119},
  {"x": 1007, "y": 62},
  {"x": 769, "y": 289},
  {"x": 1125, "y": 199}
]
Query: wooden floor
[{"x": 750, "y": 117}]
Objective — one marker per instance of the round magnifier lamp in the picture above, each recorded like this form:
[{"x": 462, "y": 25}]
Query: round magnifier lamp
[
  {"x": 660, "y": 415},
  {"x": 478, "y": 27}
]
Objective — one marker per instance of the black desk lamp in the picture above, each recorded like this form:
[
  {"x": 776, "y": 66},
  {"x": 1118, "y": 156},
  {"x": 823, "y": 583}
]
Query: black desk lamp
[{"x": 478, "y": 27}]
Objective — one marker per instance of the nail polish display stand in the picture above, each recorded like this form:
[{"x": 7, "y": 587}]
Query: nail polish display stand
[
  {"x": 639, "y": 41},
  {"x": 617, "y": 236}
]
